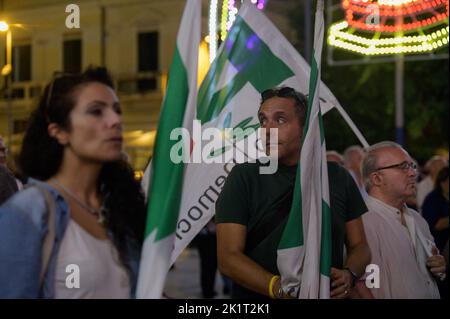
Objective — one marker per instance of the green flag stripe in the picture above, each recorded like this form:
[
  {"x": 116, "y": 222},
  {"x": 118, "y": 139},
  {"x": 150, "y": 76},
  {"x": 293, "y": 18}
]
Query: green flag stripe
[
  {"x": 165, "y": 191},
  {"x": 312, "y": 91},
  {"x": 293, "y": 235},
  {"x": 250, "y": 56},
  {"x": 208, "y": 87},
  {"x": 322, "y": 130}
]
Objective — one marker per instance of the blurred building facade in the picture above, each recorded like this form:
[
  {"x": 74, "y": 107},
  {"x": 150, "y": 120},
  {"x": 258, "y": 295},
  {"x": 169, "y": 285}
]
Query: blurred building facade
[{"x": 134, "y": 39}]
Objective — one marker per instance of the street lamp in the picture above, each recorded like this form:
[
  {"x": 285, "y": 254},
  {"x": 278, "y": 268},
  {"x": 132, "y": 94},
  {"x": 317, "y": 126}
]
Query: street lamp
[
  {"x": 6, "y": 72},
  {"x": 4, "y": 26}
]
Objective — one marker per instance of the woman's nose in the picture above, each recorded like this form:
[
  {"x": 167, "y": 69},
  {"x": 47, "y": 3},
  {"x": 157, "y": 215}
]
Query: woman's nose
[{"x": 114, "y": 118}]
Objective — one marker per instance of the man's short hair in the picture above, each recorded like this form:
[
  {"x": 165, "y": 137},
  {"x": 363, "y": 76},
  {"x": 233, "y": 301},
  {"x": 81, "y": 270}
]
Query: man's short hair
[
  {"x": 300, "y": 99},
  {"x": 335, "y": 157},
  {"x": 434, "y": 165},
  {"x": 349, "y": 150},
  {"x": 370, "y": 162}
]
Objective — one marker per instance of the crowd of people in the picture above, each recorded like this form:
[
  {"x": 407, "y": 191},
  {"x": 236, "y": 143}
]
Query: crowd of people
[{"x": 82, "y": 205}]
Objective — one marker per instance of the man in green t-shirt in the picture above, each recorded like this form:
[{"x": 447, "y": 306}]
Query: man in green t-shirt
[{"x": 247, "y": 210}]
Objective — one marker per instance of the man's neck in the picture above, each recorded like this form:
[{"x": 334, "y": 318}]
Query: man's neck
[
  {"x": 358, "y": 176},
  {"x": 397, "y": 203},
  {"x": 290, "y": 161}
]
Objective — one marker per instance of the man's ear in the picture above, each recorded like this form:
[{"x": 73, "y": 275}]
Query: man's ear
[
  {"x": 376, "y": 179},
  {"x": 58, "y": 133}
]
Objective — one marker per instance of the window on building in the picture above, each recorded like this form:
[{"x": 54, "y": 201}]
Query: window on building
[
  {"x": 21, "y": 62},
  {"x": 20, "y": 125},
  {"x": 72, "y": 62},
  {"x": 147, "y": 59}
]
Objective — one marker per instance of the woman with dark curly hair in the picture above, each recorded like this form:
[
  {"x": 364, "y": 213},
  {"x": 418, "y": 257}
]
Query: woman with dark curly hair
[{"x": 72, "y": 150}]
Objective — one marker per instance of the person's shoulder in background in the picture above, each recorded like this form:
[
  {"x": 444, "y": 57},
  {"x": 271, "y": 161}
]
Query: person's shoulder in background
[{"x": 8, "y": 184}]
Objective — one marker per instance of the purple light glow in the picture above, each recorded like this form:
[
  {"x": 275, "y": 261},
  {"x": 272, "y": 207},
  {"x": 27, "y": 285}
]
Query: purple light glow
[{"x": 252, "y": 42}]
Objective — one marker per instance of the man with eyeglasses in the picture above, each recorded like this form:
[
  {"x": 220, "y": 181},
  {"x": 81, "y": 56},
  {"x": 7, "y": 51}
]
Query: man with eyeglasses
[
  {"x": 399, "y": 238},
  {"x": 252, "y": 209}
]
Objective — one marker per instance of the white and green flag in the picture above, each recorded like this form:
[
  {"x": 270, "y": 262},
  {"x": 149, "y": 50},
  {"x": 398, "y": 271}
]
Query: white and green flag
[
  {"x": 166, "y": 182},
  {"x": 304, "y": 252},
  {"x": 255, "y": 56}
]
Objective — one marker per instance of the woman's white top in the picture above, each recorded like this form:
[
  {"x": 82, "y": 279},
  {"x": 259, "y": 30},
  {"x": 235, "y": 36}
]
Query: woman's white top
[{"x": 88, "y": 267}]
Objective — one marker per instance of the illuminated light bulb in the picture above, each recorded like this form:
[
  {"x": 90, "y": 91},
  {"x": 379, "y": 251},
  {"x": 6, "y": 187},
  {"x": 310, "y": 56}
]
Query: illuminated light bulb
[
  {"x": 4, "y": 26},
  {"x": 261, "y": 4}
]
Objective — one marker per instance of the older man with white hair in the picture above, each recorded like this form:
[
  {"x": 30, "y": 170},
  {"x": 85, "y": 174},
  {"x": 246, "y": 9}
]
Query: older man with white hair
[
  {"x": 399, "y": 238},
  {"x": 353, "y": 157}
]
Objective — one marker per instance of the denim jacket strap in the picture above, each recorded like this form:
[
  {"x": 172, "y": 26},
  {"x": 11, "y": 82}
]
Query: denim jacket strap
[{"x": 23, "y": 227}]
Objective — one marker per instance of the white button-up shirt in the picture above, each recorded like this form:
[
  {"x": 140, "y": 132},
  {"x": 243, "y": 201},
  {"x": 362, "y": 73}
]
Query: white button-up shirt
[{"x": 400, "y": 251}]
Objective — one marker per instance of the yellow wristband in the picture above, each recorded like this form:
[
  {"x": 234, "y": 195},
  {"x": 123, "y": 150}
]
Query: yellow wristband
[{"x": 272, "y": 281}]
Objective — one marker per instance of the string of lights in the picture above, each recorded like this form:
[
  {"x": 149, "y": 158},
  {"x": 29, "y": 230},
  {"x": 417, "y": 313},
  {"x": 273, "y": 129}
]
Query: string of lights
[
  {"x": 228, "y": 14},
  {"x": 426, "y": 22},
  {"x": 212, "y": 28},
  {"x": 394, "y": 45},
  {"x": 389, "y": 11},
  {"x": 402, "y": 26},
  {"x": 431, "y": 13}
]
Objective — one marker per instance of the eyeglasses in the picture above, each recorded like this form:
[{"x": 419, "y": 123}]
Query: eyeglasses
[
  {"x": 403, "y": 166},
  {"x": 56, "y": 77},
  {"x": 284, "y": 92}
]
